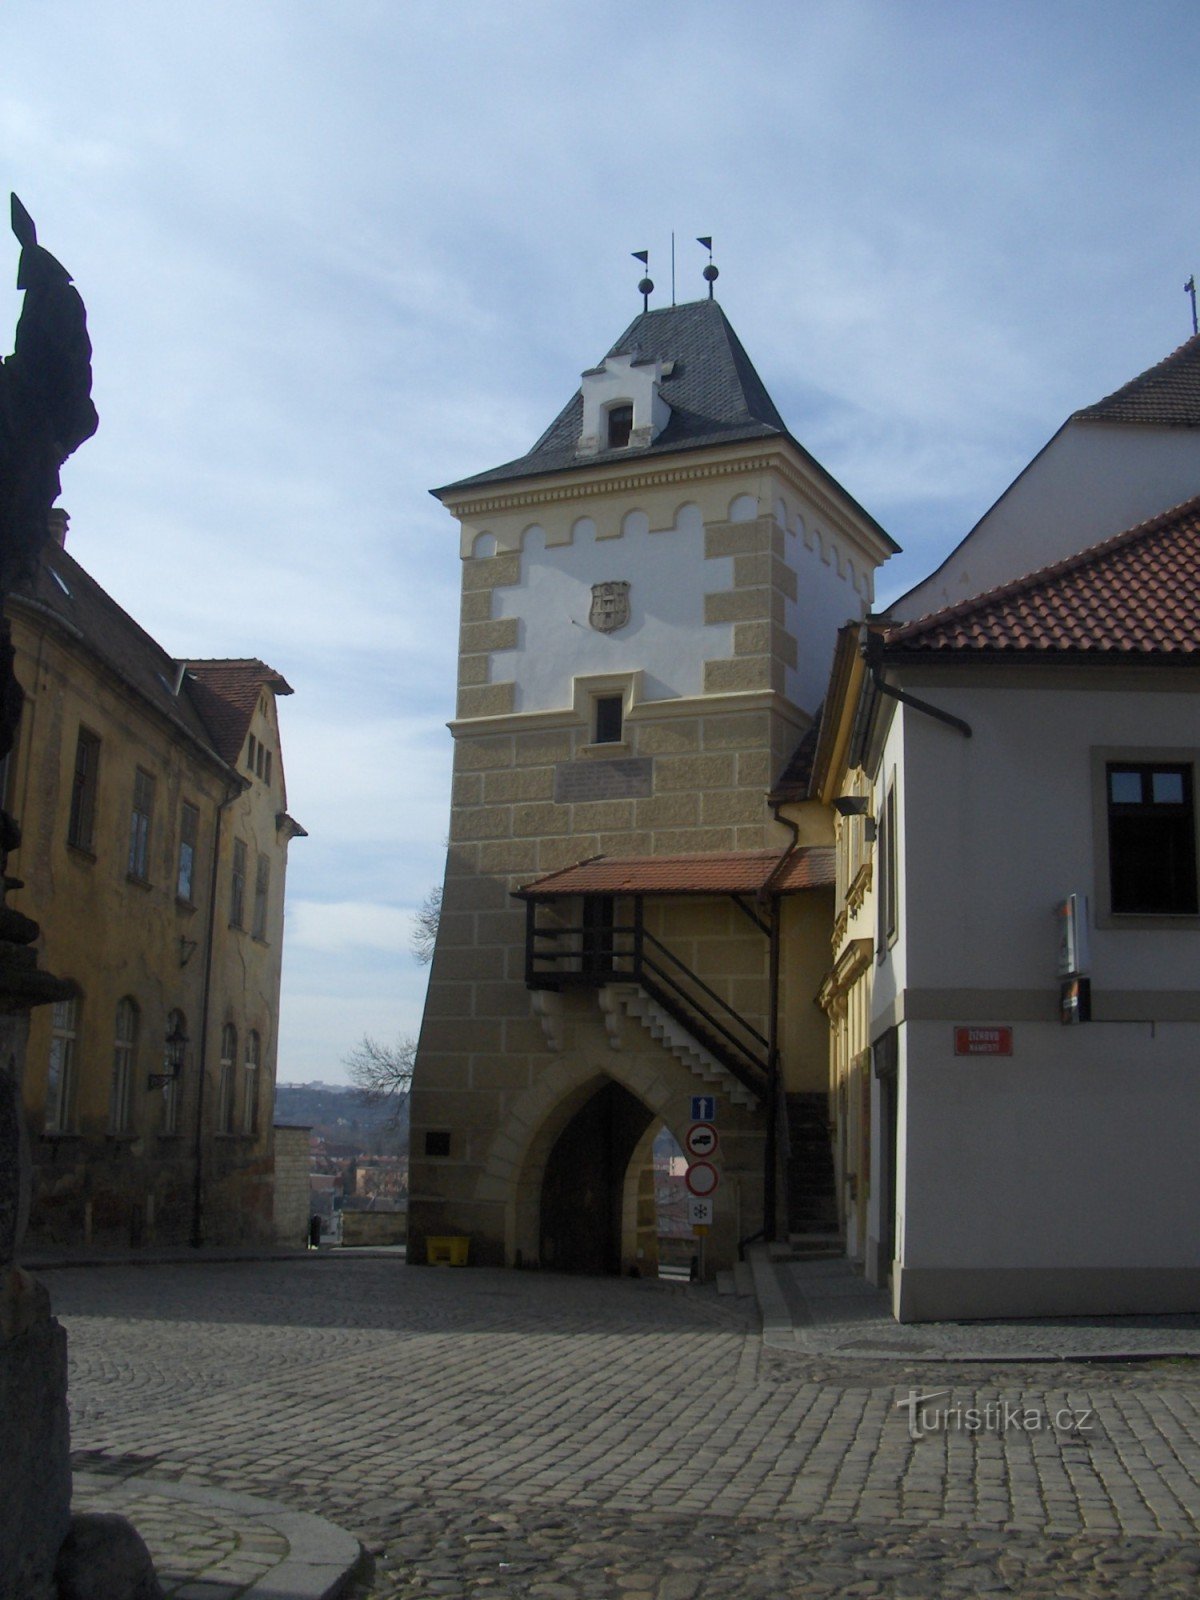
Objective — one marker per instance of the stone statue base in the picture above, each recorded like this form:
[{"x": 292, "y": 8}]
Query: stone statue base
[{"x": 35, "y": 1463}]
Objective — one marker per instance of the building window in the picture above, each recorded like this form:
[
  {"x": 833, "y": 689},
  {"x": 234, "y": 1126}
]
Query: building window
[
  {"x": 609, "y": 719},
  {"x": 251, "y": 752},
  {"x": 267, "y": 773},
  {"x": 889, "y": 898},
  {"x": 189, "y": 828},
  {"x": 60, "y": 1075},
  {"x": 620, "y": 426},
  {"x": 120, "y": 1110},
  {"x": 226, "y": 1094},
  {"x": 1151, "y": 838},
  {"x": 139, "y": 826},
  {"x": 82, "y": 821},
  {"x": 237, "y": 886},
  {"x": 250, "y": 1084},
  {"x": 262, "y": 884},
  {"x": 172, "y": 1089}
]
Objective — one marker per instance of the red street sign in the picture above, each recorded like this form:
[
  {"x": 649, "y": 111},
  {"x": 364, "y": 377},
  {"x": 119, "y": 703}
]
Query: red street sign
[
  {"x": 702, "y": 1178},
  {"x": 700, "y": 1139},
  {"x": 983, "y": 1041}
]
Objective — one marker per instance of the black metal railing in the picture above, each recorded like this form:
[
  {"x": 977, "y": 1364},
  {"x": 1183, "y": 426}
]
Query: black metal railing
[{"x": 601, "y": 950}]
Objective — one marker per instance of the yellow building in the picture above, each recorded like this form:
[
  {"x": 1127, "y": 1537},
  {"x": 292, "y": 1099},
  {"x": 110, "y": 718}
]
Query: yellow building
[
  {"x": 631, "y": 934},
  {"x": 150, "y": 792}
]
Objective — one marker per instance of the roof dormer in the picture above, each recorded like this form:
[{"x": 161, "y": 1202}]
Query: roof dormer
[{"x": 622, "y": 406}]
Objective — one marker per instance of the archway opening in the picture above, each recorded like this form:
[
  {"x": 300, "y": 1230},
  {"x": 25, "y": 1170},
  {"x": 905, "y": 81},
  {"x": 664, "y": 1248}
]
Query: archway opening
[{"x": 583, "y": 1187}]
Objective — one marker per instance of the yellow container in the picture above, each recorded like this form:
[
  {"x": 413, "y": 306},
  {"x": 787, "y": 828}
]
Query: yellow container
[{"x": 449, "y": 1251}]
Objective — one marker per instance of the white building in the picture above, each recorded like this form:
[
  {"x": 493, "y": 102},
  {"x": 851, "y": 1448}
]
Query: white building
[
  {"x": 1110, "y": 465},
  {"x": 1047, "y": 745}
]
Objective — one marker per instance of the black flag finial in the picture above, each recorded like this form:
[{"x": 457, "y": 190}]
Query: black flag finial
[
  {"x": 710, "y": 272},
  {"x": 646, "y": 286}
]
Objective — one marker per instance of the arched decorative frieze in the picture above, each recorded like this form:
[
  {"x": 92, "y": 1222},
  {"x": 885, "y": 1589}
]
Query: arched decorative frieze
[
  {"x": 635, "y": 524},
  {"x": 483, "y": 546},
  {"x": 688, "y": 519},
  {"x": 583, "y": 528},
  {"x": 743, "y": 508}
]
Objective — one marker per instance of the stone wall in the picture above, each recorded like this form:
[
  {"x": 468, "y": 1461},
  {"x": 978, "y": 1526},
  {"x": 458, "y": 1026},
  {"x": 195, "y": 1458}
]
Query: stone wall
[{"x": 292, "y": 1208}]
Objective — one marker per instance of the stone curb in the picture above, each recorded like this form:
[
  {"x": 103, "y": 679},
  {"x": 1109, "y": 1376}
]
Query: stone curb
[
  {"x": 892, "y": 1341},
  {"x": 321, "y": 1557}
]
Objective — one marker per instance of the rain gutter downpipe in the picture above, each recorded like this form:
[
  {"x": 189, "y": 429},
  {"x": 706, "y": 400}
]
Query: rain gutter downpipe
[{"x": 873, "y": 653}]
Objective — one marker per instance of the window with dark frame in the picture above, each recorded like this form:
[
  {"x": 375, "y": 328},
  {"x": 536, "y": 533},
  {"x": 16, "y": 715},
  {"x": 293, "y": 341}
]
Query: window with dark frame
[
  {"x": 81, "y": 823},
  {"x": 226, "y": 1092},
  {"x": 1151, "y": 838},
  {"x": 610, "y": 710},
  {"x": 888, "y": 904},
  {"x": 237, "y": 886},
  {"x": 262, "y": 884},
  {"x": 139, "y": 825},
  {"x": 250, "y": 1083},
  {"x": 60, "y": 1073},
  {"x": 125, "y": 1032},
  {"x": 620, "y": 426},
  {"x": 189, "y": 829}
]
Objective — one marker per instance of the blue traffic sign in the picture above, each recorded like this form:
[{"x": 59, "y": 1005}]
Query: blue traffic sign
[{"x": 704, "y": 1107}]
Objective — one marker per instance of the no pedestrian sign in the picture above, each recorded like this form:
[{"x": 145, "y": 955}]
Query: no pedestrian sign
[{"x": 702, "y": 1179}]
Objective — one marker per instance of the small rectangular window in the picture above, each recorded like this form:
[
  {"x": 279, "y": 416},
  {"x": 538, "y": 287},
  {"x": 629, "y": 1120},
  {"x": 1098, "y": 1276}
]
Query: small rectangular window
[
  {"x": 1151, "y": 838},
  {"x": 609, "y": 718},
  {"x": 620, "y": 426},
  {"x": 189, "y": 828},
  {"x": 251, "y": 752},
  {"x": 82, "y": 821},
  {"x": 139, "y": 825},
  {"x": 237, "y": 886},
  {"x": 262, "y": 884}
]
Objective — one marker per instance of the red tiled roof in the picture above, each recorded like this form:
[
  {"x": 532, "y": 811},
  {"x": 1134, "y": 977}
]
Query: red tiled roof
[
  {"x": 734, "y": 872},
  {"x": 225, "y": 693},
  {"x": 1167, "y": 394},
  {"x": 1137, "y": 595}
]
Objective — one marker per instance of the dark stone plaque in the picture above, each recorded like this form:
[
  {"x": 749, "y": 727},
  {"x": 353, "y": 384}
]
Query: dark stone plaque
[{"x": 630, "y": 779}]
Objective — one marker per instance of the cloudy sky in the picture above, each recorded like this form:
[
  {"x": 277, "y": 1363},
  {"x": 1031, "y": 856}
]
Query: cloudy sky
[{"x": 336, "y": 252}]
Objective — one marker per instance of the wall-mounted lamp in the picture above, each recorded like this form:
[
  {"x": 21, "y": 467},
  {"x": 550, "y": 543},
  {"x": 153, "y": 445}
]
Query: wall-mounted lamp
[
  {"x": 173, "y": 1047},
  {"x": 857, "y": 805}
]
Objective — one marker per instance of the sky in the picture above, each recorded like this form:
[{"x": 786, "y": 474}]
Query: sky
[{"x": 338, "y": 252}]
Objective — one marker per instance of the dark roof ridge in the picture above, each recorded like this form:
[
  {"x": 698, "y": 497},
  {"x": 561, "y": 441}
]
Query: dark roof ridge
[
  {"x": 1030, "y": 580},
  {"x": 1162, "y": 393}
]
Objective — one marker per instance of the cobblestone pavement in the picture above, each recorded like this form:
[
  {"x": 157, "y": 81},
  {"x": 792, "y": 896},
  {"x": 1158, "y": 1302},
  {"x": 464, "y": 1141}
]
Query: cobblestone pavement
[{"x": 490, "y": 1433}]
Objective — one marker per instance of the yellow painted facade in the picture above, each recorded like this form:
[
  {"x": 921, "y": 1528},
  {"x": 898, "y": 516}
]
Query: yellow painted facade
[{"x": 155, "y": 833}]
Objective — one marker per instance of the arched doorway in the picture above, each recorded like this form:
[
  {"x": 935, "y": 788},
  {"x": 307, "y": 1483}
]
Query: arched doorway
[{"x": 584, "y": 1182}]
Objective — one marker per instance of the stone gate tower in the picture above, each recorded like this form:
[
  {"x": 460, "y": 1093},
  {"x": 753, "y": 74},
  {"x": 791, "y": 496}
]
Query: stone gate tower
[{"x": 649, "y": 604}]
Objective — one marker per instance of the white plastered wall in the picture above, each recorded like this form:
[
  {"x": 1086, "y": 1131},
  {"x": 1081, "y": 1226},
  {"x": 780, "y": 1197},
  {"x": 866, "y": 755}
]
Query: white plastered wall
[
  {"x": 1091, "y": 481},
  {"x": 665, "y": 638}
]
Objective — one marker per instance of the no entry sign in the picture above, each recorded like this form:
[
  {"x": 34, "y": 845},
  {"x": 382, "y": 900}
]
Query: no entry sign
[
  {"x": 702, "y": 1178},
  {"x": 700, "y": 1139}
]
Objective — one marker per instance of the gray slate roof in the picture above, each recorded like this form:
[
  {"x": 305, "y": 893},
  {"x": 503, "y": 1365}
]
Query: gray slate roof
[
  {"x": 715, "y": 395},
  {"x": 1167, "y": 394}
]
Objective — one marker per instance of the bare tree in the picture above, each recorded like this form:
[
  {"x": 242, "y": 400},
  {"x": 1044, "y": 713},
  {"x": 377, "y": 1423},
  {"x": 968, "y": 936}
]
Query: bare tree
[
  {"x": 381, "y": 1074},
  {"x": 425, "y": 926}
]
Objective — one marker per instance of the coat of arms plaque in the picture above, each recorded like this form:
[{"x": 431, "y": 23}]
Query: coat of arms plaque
[{"x": 610, "y": 606}]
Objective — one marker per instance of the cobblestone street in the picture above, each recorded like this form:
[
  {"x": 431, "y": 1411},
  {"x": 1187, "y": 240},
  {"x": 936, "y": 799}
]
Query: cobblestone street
[{"x": 505, "y": 1433}]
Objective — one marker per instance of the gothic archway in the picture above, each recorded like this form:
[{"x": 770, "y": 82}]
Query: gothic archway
[{"x": 583, "y": 1185}]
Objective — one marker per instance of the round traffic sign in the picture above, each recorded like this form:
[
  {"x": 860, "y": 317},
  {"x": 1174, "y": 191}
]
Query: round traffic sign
[
  {"x": 700, "y": 1139},
  {"x": 702, "y": 1178}
]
